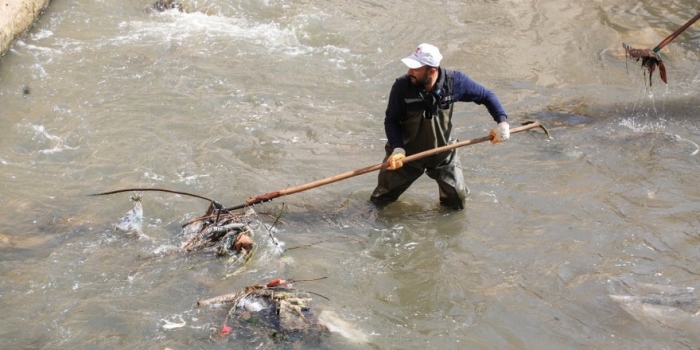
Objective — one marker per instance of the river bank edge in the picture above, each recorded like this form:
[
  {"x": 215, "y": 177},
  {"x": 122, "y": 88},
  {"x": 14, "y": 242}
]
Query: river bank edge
[{"x": 16, "y": 18}]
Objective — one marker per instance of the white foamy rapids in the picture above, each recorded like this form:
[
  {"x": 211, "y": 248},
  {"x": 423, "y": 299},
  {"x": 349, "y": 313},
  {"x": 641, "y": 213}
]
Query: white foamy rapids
[
  {"x": 246, "y": 36},
  {"x": 42, "y": 135},
  {"x": 190, "y": 179},
  {"x": 647, "y": 126},
  {"x": 42, "y": 34},
  {"x": 45, "y": 48},
  {"x": 166, "y": 249},
  {"x": 176, "y": 26},
  {"x": 172, "y": 324}
]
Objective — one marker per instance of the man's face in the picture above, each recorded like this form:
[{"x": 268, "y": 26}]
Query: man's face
[{"x": 420, "y": 76}]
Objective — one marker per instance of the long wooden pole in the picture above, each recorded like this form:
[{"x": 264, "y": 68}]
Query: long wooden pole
[{"x": 291, "y": 190}]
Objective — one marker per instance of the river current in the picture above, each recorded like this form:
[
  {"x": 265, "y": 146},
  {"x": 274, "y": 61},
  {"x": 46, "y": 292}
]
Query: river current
[{"x": 587, "y": 239}]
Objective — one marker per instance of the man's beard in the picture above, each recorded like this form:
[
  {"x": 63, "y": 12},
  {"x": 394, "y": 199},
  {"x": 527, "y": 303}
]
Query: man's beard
[{"x": 417, "y": 82}]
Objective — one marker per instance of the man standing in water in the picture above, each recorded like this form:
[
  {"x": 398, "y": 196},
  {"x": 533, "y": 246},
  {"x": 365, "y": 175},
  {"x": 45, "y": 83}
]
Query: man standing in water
[{"x": 419, "y": 118}]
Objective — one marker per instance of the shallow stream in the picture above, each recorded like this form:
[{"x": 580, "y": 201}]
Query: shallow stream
[{"x": 239, "y": 98}]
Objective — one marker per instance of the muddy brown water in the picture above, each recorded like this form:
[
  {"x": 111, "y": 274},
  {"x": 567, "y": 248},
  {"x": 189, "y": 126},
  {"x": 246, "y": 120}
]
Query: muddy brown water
[{"x": 248, "y": 97}]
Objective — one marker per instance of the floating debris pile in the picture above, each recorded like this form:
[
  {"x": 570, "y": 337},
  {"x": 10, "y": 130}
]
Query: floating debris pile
[
  {"x": 224, "y": 232},
  {"x": 271, "y": 312},
  {"x": 275, "y": 307}
]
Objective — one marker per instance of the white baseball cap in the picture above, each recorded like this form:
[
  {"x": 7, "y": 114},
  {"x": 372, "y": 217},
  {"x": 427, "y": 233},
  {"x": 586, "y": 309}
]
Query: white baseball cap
[{"x": 423, "y": 55}]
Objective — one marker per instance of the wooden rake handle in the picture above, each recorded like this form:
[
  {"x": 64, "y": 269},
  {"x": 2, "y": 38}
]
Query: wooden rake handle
[
  {"x": 676, "y": 33},
  {"x": 291, "y": 190}
]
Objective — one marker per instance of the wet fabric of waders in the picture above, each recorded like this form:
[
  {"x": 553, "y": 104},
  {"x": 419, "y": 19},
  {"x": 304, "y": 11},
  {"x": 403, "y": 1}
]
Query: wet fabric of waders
[{"x": 448, "y": 175}]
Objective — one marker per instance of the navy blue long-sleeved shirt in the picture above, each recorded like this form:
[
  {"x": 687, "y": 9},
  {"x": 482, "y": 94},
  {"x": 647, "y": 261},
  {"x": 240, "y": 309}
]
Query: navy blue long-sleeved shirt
[{"x": 464, "y": 90}]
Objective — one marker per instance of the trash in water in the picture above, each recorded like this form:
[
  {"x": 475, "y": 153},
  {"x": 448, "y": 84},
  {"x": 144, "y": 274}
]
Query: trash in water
[
  {"x": 278, "y": 309},
  {"x": 225, "y": 233},
  {"x": 132, "y": 221}
]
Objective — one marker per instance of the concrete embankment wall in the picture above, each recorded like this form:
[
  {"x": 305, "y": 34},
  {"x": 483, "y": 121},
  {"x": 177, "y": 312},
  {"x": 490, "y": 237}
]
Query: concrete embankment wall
[{"x": 16, "y": 17}]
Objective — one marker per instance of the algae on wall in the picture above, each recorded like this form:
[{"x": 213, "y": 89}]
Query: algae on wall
[{"x": 16, "y": 17}]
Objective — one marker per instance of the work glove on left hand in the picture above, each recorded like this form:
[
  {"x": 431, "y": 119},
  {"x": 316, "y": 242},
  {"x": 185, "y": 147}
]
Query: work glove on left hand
[
  {"x": 500, "y": 133},
  {"x": 395, "y": 159}
]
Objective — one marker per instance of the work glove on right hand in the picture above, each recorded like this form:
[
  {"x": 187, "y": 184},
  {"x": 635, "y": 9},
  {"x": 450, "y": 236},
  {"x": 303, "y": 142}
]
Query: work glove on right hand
[
  {"x": 395, "y": 159},
  {"x": 500, "y": 133}
]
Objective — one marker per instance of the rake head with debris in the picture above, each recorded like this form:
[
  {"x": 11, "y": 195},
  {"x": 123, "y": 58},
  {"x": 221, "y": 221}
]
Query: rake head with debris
[
  {"x": 650, "y": 60},
  {"x": 650, "y": 57}
]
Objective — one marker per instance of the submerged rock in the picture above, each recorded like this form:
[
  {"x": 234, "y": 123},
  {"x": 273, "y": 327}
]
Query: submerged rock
[
  {"x": 555, "y": 119},
  {"x": 164, "y": 5},
  {"x": 651, "y": 295},
  {"x": 167, "y": 5},
  {"x": 676, "y": 308}
]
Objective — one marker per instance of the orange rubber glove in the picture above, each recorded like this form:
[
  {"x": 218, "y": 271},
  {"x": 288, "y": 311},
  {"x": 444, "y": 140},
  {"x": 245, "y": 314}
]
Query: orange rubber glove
[{"x": 395, "y": 159}]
